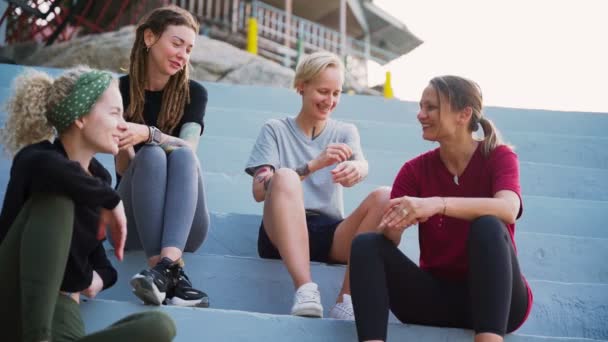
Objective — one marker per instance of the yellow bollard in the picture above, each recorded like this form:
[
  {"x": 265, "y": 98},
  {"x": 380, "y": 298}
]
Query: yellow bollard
[
  {"x": 388, "y": 89},
  {"x": 252, "y": 36}
]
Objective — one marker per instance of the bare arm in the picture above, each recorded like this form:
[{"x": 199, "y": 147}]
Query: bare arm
[
  {"x": 406, "y": 211},
  {"x": 504, "y": 205}
]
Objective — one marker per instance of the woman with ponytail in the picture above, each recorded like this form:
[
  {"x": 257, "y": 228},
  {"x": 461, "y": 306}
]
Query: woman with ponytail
[
  {"x": 465, "y": 197},
  {"x": 160, "y": 177},
  {"x": 58, "y": 205}
]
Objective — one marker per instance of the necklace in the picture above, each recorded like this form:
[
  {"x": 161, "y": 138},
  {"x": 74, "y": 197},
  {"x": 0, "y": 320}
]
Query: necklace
[{"x": 456, "y": 180}]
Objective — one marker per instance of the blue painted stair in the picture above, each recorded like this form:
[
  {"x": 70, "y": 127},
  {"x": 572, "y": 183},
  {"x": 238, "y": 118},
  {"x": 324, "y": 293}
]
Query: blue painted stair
[{"x": 561, "y": 237}]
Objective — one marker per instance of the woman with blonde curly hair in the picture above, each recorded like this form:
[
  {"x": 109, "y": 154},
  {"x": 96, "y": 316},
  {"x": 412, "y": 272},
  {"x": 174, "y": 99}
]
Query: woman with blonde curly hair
[
  {"x": 57, "y": 206},
  {"x": 160, "y": 178}
]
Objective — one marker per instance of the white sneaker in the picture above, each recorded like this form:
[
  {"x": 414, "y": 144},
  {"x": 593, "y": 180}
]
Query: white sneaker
[
  {"x": 307, "y": 301},
  {"x": 343, "y": 310}
]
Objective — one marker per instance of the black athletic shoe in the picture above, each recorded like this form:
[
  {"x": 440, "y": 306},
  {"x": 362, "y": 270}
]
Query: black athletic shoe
[
  {"x": 151, "y": 285},
  {"x": 183, "y": 294}
]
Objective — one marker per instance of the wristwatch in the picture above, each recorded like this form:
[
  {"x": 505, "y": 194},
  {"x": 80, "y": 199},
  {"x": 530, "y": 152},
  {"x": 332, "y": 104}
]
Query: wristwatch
[{"x": 155, "y": 135}]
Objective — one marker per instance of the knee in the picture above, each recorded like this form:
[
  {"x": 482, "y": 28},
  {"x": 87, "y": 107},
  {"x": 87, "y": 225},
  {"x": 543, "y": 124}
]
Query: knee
[
  {"x": 163, "y": 325},
  {"x": 185, "y": 154},
  {"x": 286, "y": 180},
  {"x": 57, "y": 211},
  {"x": 379, "y": 198},
  {"x": 364, "y": 245},
  {"x": 150, "y": 155},
  {"x": 487, "y": 230},
  {"x": 54, "y": 202}
]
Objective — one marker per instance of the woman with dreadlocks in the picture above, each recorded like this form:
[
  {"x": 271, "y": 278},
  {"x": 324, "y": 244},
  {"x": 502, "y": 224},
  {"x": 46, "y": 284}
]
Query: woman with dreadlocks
[{"x": 157, "y": 169}]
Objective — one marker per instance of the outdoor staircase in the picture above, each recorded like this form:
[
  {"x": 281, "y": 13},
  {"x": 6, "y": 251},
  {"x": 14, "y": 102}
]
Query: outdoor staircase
[{"x": 562, "y": 237}]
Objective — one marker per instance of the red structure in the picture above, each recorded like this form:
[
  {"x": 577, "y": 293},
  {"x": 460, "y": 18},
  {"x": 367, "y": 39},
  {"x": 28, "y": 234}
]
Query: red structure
[{"x": 50, "y": 21}]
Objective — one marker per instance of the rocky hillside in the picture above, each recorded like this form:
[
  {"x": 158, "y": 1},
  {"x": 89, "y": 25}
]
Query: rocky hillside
[{"x": 211, "y": 60}]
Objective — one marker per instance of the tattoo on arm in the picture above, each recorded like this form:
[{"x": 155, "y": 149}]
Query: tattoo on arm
[
  {"x": 303, "y": 170},
  {"x": 190, "y": 132},
  {"x": 260, "y": 175}
]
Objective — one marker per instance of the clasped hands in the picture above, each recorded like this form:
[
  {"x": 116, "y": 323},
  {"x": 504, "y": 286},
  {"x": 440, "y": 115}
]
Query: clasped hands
[
  {"x": 138, "y": 133},
  {"x": 404, "y": 212}
]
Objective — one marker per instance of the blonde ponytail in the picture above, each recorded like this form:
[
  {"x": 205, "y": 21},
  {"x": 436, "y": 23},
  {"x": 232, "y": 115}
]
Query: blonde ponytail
[
  {"x": 26, "y": 122},
  {"x": 491, "y": 136}
]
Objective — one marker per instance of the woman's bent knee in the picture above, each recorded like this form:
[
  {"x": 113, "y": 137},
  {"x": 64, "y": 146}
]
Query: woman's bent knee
[
  {"x": 55, "y": 205},
  {"x": 285, "y": 179},
  {"x": 487, "y": 229},
  {"x": 150, "y": 155}
]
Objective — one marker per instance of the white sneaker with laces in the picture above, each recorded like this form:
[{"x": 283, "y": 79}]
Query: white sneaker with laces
[
  {"x": 344, "y": 310},
  {"x": 307, "y": 301}
]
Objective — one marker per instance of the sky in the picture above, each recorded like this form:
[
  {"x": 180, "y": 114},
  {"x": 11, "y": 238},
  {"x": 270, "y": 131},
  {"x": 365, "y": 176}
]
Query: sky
[{"x": 544, "y": 54}]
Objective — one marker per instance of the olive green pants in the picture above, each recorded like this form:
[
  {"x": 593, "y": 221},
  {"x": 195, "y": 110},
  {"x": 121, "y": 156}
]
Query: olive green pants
[{"x": 33, "y": 257}]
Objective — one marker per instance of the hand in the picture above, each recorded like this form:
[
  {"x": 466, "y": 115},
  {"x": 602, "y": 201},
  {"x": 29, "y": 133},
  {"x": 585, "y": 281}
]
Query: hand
[
  {"x": 116, "y": 220},
  {"x": 346, "y": 174},
  {"x": 133, "y": 135},
  {"x": 173, "y": 143},
  {"x": 333, "y": 154},
  {"x": 406, "y": 211},
  {"x": 95, "y": 287}
]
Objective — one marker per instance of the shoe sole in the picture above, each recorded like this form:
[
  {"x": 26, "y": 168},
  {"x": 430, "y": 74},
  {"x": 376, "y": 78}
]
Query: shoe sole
[
  {"x": 199, "y": 303},
  {"x": 311, "y": 311},
  {"x": 144, "y": 289}
]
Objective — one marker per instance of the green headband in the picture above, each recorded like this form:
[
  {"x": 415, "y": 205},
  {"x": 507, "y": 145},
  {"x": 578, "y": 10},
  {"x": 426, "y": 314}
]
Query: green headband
[{"x": 81, "y": 99}]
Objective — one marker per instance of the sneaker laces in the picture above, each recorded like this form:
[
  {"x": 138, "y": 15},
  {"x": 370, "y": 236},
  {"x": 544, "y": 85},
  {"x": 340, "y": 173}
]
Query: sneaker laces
[
  {"x": 346, "y": 308},
  {"x": 308, "y": 295}
]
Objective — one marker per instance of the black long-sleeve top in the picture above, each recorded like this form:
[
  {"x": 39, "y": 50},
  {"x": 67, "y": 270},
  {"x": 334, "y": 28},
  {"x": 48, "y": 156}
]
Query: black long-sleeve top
[{"x": 45, "y": 168}]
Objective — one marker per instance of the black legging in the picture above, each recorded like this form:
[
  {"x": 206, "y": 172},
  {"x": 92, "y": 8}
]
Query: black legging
[{"x": 493, "y": 299}]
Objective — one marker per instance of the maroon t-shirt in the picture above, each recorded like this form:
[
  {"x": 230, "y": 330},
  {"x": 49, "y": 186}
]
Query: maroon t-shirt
[{"x": 442, "y": 239}]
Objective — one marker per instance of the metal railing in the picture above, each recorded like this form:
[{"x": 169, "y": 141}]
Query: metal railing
[{"x": 279, "y": 32}]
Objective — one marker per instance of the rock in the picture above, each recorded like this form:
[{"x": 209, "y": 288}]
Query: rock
[{"x": 211, "y": 60}]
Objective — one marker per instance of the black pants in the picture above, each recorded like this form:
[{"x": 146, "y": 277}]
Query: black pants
[{"x": 493, "y": 299}]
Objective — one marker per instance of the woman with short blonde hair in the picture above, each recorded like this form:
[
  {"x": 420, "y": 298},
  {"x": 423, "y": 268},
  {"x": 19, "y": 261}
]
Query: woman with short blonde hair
[{"x": 299, "y": 167}]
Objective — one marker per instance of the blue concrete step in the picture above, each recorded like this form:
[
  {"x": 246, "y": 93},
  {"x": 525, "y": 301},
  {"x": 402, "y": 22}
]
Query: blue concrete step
[
  {"x": 236, "y": 195},
  {"x": 230, "y": 325},
  {"x": 256, "y": 285},
  {"x": 561, "y": 237},
  {"x": 405, "y": 139},
  {"x": 541, "y": 255},
  {"x": 278, "y": 102}
]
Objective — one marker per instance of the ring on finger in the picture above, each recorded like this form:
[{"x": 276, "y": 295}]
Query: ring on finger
[{"x": 404, "y": 212}]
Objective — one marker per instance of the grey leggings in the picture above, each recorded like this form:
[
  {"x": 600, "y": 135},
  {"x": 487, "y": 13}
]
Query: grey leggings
[{"x": 164, "y": 199}]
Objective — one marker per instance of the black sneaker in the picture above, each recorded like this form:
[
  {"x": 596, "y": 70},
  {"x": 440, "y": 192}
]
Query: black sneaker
[
  {"x": 183, "y": 294},
  {"x": 151, "y": 285}
]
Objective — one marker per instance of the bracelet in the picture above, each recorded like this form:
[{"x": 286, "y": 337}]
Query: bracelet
[
  {"x": 445, "y": 205},
  {"x": 150, "y": 135}
]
